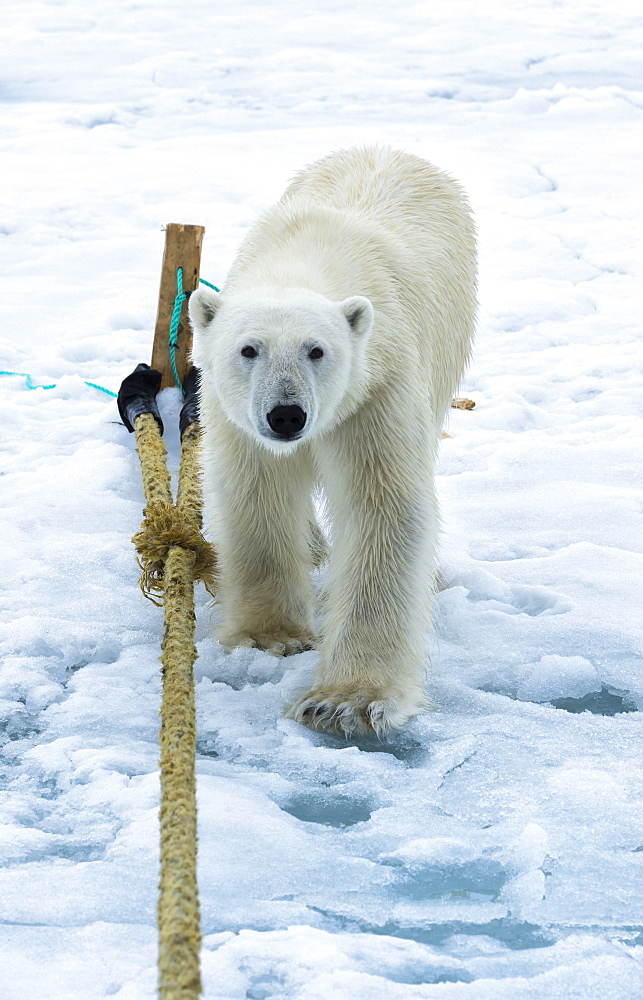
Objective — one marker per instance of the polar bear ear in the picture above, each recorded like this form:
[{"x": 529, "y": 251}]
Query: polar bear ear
[
  {"x": 359, "y": 314},
  {"x": 202, "y": 307}
]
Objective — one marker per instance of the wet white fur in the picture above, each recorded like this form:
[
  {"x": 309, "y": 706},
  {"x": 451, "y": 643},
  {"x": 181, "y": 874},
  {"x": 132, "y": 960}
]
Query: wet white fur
[{"x": 363, "y": 224}]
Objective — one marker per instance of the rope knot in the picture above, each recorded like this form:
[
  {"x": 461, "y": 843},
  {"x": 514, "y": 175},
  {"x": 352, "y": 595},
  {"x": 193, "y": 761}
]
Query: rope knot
[{"x": 166, "y": 527}]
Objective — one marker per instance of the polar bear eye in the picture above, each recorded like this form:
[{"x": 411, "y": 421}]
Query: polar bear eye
[
  {"x": 248, "y": 351},
  {"x": 316, "y": 354}
]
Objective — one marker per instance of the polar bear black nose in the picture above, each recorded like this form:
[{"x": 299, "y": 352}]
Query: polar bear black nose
[{"x": 287, "y": 421}]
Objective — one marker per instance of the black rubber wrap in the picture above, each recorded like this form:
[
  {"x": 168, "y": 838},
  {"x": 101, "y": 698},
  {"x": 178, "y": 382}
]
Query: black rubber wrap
[
  {"x": 190, "y": 409},
  {"x": 137, "y": 395}
]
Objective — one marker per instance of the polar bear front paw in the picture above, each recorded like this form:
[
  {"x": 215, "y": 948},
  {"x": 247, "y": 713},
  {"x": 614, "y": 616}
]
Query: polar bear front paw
[
  {"x": 349, "y": 714},
  {"x": 278, "y": 643}
]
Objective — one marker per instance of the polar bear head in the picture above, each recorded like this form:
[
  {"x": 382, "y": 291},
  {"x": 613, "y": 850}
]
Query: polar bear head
[{"x": 281, "y": 367}]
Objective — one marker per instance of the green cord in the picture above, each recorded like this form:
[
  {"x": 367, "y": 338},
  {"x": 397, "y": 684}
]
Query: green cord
[
  {"x": 209, "y": 284},
  {"x": 30, "y": 384},
  {"x": 174, "y": 322},
  {"x": 109, "y": 392},
  {"x": 174, "y": 325}
]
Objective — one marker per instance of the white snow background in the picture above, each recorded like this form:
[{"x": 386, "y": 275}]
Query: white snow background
[{"x": 492, "y": 850}]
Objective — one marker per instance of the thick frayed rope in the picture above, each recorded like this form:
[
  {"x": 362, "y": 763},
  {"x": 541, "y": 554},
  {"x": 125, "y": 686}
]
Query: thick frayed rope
[
  {"x": 166, "y": 527},
  {"x": 157, "y": 484},
  {"x": 178, "y": 906},
  {"x": 173, "y": 553},
  {"x": 165, "y": 524}
]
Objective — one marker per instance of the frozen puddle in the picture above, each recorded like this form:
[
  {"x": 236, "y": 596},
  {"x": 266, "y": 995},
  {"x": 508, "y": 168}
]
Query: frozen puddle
[
  {"x": 329, "y": 810},
  {"x": 603, "y": 702}
]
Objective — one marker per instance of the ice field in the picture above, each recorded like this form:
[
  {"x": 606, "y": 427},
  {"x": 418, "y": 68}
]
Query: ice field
[{"x": 493, "y": 849}]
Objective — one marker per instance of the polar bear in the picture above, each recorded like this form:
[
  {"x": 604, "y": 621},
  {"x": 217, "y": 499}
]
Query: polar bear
[{"x": 328, "y": 362}]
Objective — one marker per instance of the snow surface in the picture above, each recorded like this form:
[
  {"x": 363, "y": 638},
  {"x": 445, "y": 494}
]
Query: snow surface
[{"x": 493, "y": 849}]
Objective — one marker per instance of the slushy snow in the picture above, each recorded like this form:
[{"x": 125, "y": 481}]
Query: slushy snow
[{"x": 492, "y": 850}]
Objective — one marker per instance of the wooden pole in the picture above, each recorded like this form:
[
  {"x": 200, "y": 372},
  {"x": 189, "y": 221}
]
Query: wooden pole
[{"x": 182, "y": 249}]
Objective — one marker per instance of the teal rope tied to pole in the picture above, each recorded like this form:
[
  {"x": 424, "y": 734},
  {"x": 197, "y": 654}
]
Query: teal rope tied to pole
[
  {"x": 174, "y": 322},
  {"x": 174, "y": 325}
]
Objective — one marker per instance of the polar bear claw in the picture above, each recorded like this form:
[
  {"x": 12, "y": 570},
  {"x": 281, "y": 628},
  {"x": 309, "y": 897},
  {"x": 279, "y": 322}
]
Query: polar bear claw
[
  {"x": 278, "y": 644},
  {"x": 346, "y": 714}
]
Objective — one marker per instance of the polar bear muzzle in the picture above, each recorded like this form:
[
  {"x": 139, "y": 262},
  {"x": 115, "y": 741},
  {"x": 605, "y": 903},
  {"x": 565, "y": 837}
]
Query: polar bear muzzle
[{"x": 287, "y": 422}]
